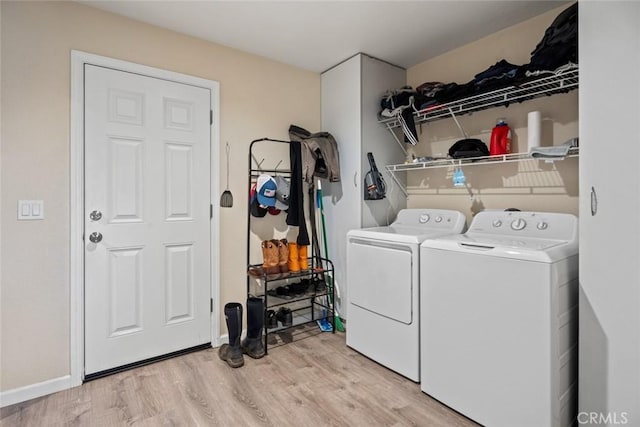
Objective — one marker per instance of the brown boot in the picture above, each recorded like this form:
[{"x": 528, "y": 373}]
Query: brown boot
[
  {"x": 270, "y": 257},
  {"x": 293, "y": 263},
  {"x": 283, "y": 255},
  {"x": 302, "y": 257}
]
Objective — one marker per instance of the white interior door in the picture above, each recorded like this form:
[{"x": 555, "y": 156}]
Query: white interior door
[{"x": 147, "y": 209}]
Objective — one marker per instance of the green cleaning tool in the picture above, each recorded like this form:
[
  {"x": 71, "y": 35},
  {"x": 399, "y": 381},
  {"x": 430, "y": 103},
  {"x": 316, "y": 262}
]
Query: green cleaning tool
[{"x": 338, "y": 322}]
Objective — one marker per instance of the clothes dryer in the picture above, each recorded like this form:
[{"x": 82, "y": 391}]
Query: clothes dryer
[
  {"x": 383, "y": 286},
  {"x": 500, "y": 317}
]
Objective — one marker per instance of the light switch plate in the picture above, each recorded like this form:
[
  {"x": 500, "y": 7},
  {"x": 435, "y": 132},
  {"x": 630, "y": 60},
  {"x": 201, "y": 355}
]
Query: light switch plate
[{"x": 30, "y": 209}]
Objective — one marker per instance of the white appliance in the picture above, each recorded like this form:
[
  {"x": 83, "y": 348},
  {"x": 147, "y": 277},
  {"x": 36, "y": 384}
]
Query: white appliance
[
  {"x": 383, "y": 294},
  {"x": 499, "y": 319}
]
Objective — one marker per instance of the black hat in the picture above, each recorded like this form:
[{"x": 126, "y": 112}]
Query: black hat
[{"x": 254, "y": 206}]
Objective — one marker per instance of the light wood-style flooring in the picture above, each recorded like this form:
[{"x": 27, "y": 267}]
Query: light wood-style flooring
[{"x": 316, "y": 381}]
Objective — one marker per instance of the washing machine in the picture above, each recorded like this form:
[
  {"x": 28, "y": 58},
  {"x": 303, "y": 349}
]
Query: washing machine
[
  {"x": 383, "y": 286},
  {"x": 499, "y": 319}
]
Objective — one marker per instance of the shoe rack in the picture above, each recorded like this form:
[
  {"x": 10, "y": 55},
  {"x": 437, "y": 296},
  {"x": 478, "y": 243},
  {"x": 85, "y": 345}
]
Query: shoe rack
[{"x": 296, "y": 303}]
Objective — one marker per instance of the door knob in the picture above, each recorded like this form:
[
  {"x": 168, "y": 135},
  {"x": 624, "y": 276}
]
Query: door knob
[
  {"x": 95, "y": 237},
  {"x": 95, "y": 215}
]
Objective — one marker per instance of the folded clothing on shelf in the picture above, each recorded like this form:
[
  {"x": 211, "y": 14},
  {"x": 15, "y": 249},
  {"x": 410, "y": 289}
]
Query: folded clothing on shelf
[
  {"x": 400, "y": 104},
  {"x": 559, "y": 151}
]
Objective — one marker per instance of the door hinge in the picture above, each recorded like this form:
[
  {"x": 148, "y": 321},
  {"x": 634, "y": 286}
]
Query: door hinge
[
  {"x": 211, "y": 305},
  {"x": 210, "y": 211},
  {"x": 210, "y": 117}
]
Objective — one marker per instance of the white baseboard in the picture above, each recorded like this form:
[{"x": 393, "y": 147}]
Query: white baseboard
[
  {"x": 31, "y": 391},
  {"x": 224, "y": 339}
]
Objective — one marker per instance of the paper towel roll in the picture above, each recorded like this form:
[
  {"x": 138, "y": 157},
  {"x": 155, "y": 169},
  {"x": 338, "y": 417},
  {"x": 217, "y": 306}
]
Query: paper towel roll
[{"x": 534, "y": 123}]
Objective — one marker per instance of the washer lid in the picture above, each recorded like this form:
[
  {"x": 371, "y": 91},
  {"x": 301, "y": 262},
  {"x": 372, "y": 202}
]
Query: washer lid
[
  {"x": 511, "y": 242},
  {"x": 524, "y": 248}
]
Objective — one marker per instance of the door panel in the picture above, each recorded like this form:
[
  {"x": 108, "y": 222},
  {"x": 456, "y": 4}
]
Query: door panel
[
  {"x": 381, "y": 281},
  {"x": 124, "y": 170},
  {"x": 124, "y": 287},
  {"x": 147, "y": 171},
  {"x": 178, "y": 172},
  {"x": 179, "y": 284}
]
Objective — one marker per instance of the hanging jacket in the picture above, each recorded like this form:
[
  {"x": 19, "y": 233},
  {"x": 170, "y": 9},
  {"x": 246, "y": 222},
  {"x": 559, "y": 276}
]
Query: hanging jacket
[
  {"x": 295, "y": 214},
  {"x": 319, "y": 154}
]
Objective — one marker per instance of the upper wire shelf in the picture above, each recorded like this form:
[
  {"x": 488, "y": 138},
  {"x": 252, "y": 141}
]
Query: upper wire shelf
[{"x": 560, "y": 82}]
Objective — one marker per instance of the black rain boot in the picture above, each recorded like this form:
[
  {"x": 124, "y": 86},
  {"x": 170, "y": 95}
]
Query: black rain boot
[
  {"x": 252, "y": 344},
  {"x": 232, "y": 353}
]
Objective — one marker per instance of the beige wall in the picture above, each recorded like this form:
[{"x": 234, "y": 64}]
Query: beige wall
[
  {"x": 258, "y": 98},
  {"x": 528, "y": 185}
]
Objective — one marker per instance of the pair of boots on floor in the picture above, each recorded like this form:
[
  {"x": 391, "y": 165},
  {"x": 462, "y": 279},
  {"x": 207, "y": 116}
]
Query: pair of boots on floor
[
  {"x": 252, "y": 345},
  {"x": 281, "y": 256}
]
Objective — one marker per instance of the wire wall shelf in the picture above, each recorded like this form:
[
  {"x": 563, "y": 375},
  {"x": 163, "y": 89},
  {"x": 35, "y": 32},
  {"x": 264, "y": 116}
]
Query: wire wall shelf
[
  {"x": 471, "y": 161},
  {"x": 560, "y": 82}
]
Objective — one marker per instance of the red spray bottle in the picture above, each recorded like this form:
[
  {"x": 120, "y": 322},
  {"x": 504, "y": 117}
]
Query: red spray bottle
[{"x": 500, "y": 139}]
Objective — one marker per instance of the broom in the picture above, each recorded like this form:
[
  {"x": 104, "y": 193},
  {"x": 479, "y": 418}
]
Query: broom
[{"x": 337, "y": 320}]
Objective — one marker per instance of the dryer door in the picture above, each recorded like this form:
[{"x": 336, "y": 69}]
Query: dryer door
[{"x": 381, "y": 278}]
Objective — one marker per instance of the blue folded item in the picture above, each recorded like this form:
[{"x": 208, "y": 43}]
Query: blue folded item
[{"x": 324, "y": 325}]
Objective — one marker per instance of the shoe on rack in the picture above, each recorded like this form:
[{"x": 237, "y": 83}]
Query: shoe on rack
[
  {"x": 303, "y": 254},
  {"x": 293, "y": 263},
  {"x": 270, "y": 257},
  {"x": 297, "y": 288},
  {"x": 305, "y": 284},
  {"x": 285, "y": 316},
  {"x": 283, "y": 292},
  {"x": 319, "y": 286},
  {"x": 283, "y": 255},
  {"x": 272, "y": 320}
]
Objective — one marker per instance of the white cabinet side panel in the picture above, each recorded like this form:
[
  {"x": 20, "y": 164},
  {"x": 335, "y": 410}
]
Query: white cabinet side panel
[
  {"x": 609, "y": 245},
  {"x": 340, "y": 98}
]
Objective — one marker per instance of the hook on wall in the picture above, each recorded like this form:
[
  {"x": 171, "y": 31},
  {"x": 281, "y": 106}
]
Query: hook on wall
[
  {"x": 275, "y": 169},
  {"x": 471, "y": 196},
  {"x": 258, "y": 163}
]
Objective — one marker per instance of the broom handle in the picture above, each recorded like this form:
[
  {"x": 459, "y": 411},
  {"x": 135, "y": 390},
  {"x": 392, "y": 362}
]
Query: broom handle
[
  {"x": 324, "y": 231},
  {"x": 227, "y": 149}
]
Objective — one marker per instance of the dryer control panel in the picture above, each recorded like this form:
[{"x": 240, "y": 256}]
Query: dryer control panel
[
  {"x": 543, "y": 225},
  {"x": 430, "y": 218}
]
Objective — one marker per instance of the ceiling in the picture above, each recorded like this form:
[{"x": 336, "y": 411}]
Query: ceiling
[{"x": 316, "y": 35}]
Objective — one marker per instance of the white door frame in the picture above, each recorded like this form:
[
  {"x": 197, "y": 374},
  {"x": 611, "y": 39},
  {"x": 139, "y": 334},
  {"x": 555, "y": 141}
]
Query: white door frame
[{"x": 76, "y": 268}]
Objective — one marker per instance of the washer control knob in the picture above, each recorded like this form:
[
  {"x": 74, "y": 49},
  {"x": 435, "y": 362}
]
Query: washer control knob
[
  {"x": 438, "y": 219},
  {"x": 518, "y": 224},
  {"x": 542, "y": 225},
  {"x": 497, "y": 223},
  {"x": 424, "y": 218}
]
